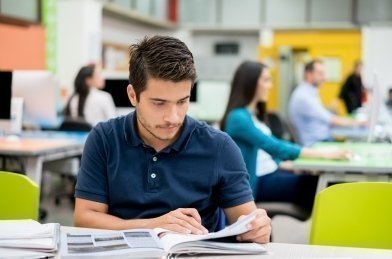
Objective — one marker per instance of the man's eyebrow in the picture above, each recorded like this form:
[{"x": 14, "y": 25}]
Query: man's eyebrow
[
  {"x": 158, "y": 100},
  {"x": 163, "y": 100},
  {"x": 186, "y": 97}
]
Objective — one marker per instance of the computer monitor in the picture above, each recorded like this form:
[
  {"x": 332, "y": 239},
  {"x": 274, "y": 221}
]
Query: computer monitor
[
  {"x": 193, "y": 98},
  {"x": 5, "y": 101},
  {"x": 118, "y": 90},
  {"x": 210, "y": 101},
  {"x": 117, "y": 87},
  {"x": 380, "y": 123},
  {"x": 38, "y": 90},
  {"x": 374, "y": 110}
]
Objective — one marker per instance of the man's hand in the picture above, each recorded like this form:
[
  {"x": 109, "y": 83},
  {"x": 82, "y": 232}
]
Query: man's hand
[
  {"x": 183, "y": 220},
  {"x": 259, "y": 229}
]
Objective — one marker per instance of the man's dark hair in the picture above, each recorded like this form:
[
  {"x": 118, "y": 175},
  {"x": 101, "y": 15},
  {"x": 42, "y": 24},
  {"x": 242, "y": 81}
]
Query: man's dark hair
[
  {"x": 160, "y": 57},
  {"x": 309, "y": 67}
]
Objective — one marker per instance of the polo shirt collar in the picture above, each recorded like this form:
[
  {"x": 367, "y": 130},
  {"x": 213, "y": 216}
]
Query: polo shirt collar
[
  {"x": 131, "y": 136},
  {"x": 130, "y": 133},
  {"x": 187, "y": 128}
]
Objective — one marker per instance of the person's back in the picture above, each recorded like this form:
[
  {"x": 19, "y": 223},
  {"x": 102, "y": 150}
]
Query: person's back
[
  {"x": 309, "y": 118},
  {"x": 351, "y": 91},
  {"x": 99, "y": 106},
  {"x": 88, "y": 102}
]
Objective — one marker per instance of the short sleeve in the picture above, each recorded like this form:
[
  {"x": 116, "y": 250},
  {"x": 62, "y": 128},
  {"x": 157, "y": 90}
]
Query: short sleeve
[
  {"x": 233, "y": 178},
  {"x": 92, "y": 177}
]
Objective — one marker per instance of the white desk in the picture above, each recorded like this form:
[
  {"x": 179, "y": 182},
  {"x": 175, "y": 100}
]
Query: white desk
[
  {"x": 356, "y": 134},
  {"x": 286, "y": 251},
  {"x": 283, "y": 251},
  {"x": 374, "y": 164},
  {"x": 33, "y": 149}
]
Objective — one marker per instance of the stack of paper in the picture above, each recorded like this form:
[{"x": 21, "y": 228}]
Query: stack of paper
[{"x": 29, "y": 234}]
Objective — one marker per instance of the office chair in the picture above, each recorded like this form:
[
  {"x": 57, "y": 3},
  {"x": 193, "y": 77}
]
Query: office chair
[
  {"x": 66, "y": 167},
  {"x": 284, "y": 208},
  {"x": 19, "y": 197},
  {"x": 71, "y": 124},
  {"x": 354, "y": 215},
  {"x": 280, "y": 128}
]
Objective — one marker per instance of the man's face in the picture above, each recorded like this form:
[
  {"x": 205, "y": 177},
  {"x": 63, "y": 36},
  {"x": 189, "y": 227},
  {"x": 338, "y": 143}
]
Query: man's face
[
  {"x": 161, "y": 109},
  {"x": 317, "y": 76}
]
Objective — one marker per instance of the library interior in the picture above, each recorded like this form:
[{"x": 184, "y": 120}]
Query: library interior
[{"x": 160, "y": 128}]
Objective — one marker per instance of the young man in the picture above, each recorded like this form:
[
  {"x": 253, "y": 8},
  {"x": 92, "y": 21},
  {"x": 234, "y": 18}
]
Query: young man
[
  {"x": 311, "y": 120},
  {"x": 157, "y": 167}
]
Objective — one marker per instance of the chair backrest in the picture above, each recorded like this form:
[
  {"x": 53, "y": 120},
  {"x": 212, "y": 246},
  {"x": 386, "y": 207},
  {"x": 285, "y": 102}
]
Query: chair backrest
[
  {"x": 354, "y": 215},
  {"x": 280, "y": 128},
  {"x": 19, "y": 197},
  {"x": 71, "y": 124}
]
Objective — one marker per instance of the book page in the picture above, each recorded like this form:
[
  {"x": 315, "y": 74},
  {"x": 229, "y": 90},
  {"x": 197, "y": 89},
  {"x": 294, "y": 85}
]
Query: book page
[
  {"x": 29, "y": 234},
  {"x": 171, "y": 239},
  {"x": 129, "y": 242},
  {"x": 25, "y": 229}
]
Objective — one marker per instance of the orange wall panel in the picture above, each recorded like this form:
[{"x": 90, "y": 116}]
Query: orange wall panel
[{"x": 22, "y": 47}]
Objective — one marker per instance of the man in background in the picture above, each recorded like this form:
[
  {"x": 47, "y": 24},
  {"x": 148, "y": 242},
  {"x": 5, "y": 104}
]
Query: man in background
[
  {"x": 352, "y": 89},
  {"x": 311, "y": 120}
]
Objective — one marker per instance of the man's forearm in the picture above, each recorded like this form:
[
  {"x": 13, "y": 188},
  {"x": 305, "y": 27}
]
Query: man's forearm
[{"x": 95, "y": 219}]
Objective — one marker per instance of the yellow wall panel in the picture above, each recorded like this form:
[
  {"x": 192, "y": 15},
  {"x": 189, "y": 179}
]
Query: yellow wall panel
[{"x": 342, "y": 44}]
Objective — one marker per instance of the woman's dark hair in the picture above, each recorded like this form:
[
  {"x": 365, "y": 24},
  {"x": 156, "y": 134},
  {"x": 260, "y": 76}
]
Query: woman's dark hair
[
  {"x": 159, "y": 57},
  {"x": 243, "y": 89},
  {"x": 81, "y": 89}
]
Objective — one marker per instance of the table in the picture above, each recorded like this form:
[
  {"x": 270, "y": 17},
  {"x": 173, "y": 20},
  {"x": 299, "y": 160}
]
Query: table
[
  {"x": 283, "y": 250},
  {"x": 373, "y": 162},
  {"x": 35, "y": 148},
  {"x": 275, "y": 250},
  {"x": 357, "y": 134}
]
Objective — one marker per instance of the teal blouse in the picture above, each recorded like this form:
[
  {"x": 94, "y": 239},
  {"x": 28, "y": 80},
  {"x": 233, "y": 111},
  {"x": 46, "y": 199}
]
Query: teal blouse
[{"x": 239, "y": 125}]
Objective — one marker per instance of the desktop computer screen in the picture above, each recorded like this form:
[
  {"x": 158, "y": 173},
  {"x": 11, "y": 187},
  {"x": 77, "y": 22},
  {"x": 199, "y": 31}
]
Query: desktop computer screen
[
  {"x": 5, "y": 94},
  {"x": 118, "y": 90},
  {"x": 38, "y": 90},
  {"x": 5, "y": 101},
  {"x": 193, "y": 98}
]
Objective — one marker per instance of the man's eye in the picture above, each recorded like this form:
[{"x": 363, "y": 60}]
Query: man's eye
[{"x": 158, "y": 103}]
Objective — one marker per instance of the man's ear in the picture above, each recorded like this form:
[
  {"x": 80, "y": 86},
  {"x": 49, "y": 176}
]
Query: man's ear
[{"x": 131, "y": 95}]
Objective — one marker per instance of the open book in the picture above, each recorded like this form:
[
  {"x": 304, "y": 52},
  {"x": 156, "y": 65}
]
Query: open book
[
  {"x": 139, "y": 243},
  {"x": 29, "y": 234}
]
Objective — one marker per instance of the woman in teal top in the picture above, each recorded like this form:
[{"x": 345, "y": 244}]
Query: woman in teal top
[{"x": 263, "y": 152}]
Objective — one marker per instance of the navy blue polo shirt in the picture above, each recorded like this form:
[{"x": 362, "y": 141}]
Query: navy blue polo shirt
[{"x": 202, "y": 169}]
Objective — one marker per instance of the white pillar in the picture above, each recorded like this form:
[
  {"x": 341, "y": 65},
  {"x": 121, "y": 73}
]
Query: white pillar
[{"x": 79, "y": 37}]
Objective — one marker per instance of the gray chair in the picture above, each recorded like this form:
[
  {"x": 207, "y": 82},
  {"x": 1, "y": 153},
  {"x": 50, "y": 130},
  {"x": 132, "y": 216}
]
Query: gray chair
[
  {"x": 68, "y": 168},
  {"x": 284, "y": 208}
]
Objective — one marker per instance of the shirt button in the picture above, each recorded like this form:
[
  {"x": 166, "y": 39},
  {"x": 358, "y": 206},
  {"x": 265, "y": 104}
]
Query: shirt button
[
  {"x": 153, "y": 175},
  {"x": 154, "y": 159}
]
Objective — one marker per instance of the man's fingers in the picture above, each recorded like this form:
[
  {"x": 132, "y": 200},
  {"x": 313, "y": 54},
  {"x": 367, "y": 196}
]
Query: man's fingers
[
  {"x": 179, "y": 218},
  {"x": 191, "y": 212},
  {"x": 255, "y": 234},
  {"x": 259, "y": 228},
  {"x": 260, "y": 221}
]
